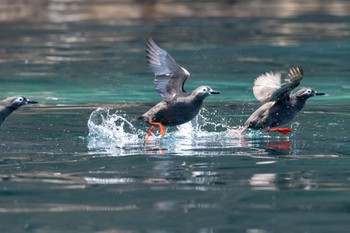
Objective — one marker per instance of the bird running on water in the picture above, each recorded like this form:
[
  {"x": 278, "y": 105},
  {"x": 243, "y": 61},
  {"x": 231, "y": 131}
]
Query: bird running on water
[
  {"x": 10, "y": 104},
  {"x": 178, "y": 106},
  {"x": 280, "y": 105}
]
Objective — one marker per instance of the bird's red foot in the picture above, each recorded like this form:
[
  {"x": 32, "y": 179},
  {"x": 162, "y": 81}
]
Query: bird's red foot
[
  {"x": 236, "y": 132},
  {"x": 161, "y": 129},
  {"x": 150, "y": 132},
  {"x": 281, "y": 130}
]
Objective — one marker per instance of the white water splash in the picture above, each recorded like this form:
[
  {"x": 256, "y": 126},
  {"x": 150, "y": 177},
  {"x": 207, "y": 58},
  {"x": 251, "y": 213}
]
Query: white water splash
[
  {"x": 295, "y": 126},
  {"x": 111, "y": 131},
  {"x": 201, "y": 126},
  {"x": 195, "y": 138},
  {"x": 115, "y": 134}
]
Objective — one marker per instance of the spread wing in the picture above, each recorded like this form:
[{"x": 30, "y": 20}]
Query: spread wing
[
  {"x": 169, "y": 76},
  {"x": 265, "y": 85},
  {"x": 293, "y": 79}
]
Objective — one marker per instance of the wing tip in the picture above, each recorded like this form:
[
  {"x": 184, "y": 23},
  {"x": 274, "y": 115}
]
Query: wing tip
[
  {"x": 149, "y": 39},
  {"x": 295, "y": 74},
  {"x": 297, "y": 70},
  {"x": 151, "y": 44},
  {"x": 152, "y": 51}
]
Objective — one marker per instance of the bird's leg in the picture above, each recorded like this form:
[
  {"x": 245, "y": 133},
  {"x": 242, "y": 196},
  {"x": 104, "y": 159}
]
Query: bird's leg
[
  {"x": 242, "y": 131},
  {"x": 281, "y": 130},
  {"x": 237, "y": 132},
  {"x": 150, "y": 132},
  {"x": 161, "y": 127}
]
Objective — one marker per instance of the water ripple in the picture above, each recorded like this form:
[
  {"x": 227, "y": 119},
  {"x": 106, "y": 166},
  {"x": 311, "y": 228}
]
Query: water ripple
[{"x": 66, "y": 208}]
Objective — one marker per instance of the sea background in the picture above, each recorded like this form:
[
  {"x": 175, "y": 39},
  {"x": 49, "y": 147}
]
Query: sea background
[{"x": 78, "y": 162}]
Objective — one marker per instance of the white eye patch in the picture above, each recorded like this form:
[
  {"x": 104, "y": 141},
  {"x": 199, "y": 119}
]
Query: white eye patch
[
  {"x": 18, "y": 100},
  {"x": 307, "y": 92}
]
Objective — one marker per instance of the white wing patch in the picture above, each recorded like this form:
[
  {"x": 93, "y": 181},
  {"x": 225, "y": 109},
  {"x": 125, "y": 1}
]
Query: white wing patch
[{"x": 265, "y": 85}]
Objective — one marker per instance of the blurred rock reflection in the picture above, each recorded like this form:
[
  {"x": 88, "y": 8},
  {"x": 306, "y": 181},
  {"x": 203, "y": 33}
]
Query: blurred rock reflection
[
  {"x": 76, "y": 10},
  {"x": 274, "y": 182}
]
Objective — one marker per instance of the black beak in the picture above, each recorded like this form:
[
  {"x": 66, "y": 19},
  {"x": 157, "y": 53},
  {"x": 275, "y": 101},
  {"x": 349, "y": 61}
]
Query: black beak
[
  {"x": 318, "y": 93},
  {"x": 31, "y": 102},
  {"x": 214, "y": 92}
]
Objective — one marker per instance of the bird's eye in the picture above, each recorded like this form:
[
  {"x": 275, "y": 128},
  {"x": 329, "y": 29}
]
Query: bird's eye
[
  {"x": 307, "y": 92},
  {"x": 204, "y": 89},
  {"x": 19, "y": 100}
]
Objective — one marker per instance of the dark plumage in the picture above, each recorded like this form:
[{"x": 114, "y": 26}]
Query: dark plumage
[
  {"x": 178, "y": 106},
  {"x": 280, "y": 105},
  {"x": 8, "y": 105}
]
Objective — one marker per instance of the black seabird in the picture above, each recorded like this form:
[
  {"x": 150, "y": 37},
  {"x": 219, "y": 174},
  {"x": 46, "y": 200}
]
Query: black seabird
[
  {"x": 178, "y": 106},
  {"x": 280, "y": 105}
]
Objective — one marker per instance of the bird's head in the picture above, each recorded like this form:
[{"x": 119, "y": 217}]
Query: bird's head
[
  {"x": 306, "y": 93},
  {"x": 17, "y": 101},
  {"x": 204, "y": 91}
]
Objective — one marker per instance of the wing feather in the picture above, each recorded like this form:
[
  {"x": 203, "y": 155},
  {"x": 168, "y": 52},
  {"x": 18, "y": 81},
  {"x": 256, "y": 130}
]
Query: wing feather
[
  {"x": 293, "y": 79},
  {"x": 169, "y": 76},
  {"x": 265, "y": 85}
]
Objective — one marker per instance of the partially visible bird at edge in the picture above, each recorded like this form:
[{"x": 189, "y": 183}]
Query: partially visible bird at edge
[{"x": 10, "y": 104}]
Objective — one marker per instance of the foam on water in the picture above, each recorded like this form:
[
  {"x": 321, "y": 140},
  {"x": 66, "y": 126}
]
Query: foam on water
[
  {"x": 111, "y": 131},
  {"x": 202, "y": 127},
  {"x": 116, "y": 134}
]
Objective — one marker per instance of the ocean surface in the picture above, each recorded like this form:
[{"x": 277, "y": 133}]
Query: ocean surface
[{"x": 78, "y": 161}]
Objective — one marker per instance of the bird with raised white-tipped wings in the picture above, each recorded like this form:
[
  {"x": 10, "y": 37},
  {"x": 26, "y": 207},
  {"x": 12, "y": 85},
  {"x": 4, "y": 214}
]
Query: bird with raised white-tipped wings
[{"x": 280, "y": 105}]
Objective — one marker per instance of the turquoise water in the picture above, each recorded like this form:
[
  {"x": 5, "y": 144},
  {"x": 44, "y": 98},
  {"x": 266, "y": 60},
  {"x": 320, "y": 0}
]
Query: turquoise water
[{"x": 77, "y": 162}]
